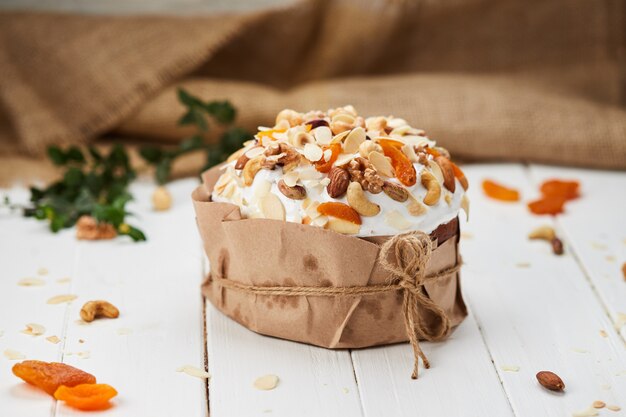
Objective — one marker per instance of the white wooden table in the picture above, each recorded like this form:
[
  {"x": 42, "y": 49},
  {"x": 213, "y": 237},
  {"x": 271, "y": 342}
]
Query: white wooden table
[{"x": 529, "y": 310}]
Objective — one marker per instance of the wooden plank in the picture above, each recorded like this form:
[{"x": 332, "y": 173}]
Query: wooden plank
[
  {"x": 155, "y": 285},
  {"x": 460, "y": 382},
  {"x": 313, "y": 381},
  {"x": 536, "y": 310},
  {"x": 26, "y": 247},
  {"x": 595, "y": 228}
]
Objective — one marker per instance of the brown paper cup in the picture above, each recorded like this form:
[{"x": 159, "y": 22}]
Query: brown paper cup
[{"x": 265, "y": 252}]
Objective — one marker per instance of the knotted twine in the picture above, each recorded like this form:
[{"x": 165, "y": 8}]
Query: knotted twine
[{"x": 405, "y": 257}]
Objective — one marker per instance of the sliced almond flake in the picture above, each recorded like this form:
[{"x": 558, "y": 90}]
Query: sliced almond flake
[
  {"x": 53, "y": 339},
  {"x": 416, "y": 207},
  {"x": 465, "y": 205},
  {"x": 84, "y": 355},
  {"x": 281, "y": 136},
  {"x": 588, "y": 412},
  {"x": 354, "y": 140},
  {"x": 322, "y": 135},
  {"x": 396, "y": 220},
  {"x": 13, "y": 355},
  {"x": 312, "y": 152},
  {"x": 63, "y": 298},
  {"x": 320, "y": 221},
  {"x": 34, "y": 329},
  {"x": 194, "y": 371},
  {"x": 42, "y": 271},
  {"x": 31, "y": 282},
  {"x": 254, "y": 152},
  {"x": 339, "y": 137},
  {"x": 261, "y": 188},
  {"x": 306, "y": 202},
  {"x": 523, "y": 265},
  {"x": 328, "y": 153},
  {"x": 266, "y": 382},
  {"x": 291, "y": 178},
  {"x": 400, "y": 130},
  {"x": 603, "y": 333},
  {"x": 324, "y": 182},
  {"x": 345, "y": 390},
  {"x": 272, "y": 207},
  {"x": 64, "y": 280},
  {"x": 613, "y": 407},
  {"x": 621, "y": 320},
  {"x": 448, "y": 198},
  {"x": 343, "y": 117},
  {"x": 510, "y": 368},
  {"x": 344, "y": 159},
  {"x": 310, "y": 173},
  {"x": 343, "y": 226},
  {"x": 276, "y": 157},
  {"x": 381, "y": 163},
  {"x": 434, "y": 168},
  {"x": 598, "y": 404},
  {"x": 123, "y": 331},
  {"x": 311, "y": 210},
  {"x": 409, "y": 151},
  {"x": 229, "y": 190},
  {"x": 396, "y": 122}
]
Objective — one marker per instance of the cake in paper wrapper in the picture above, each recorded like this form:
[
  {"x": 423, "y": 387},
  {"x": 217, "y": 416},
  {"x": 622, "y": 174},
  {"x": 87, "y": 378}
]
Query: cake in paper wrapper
[{"x": 307, "y": 204}]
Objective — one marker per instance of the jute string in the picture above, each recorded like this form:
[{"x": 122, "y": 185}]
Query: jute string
[{"x": 405, "y": 257}]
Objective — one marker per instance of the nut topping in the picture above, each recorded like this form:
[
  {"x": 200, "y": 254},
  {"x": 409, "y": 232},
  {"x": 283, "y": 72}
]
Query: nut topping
[
  {"x": 339, "y": 181},
  {"x": 550, "y": 380},
  {"x": 296, "y": 192},
  {"x": 395, "y": 191},
  {"x": 358, "y": 201},
  {"x": 447, "y": 171},
  {"x": 433, "y": 188}
]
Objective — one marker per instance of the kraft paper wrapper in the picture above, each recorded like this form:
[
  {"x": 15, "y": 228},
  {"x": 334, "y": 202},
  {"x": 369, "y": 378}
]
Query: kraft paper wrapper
[{"x": 267, "y": 252}]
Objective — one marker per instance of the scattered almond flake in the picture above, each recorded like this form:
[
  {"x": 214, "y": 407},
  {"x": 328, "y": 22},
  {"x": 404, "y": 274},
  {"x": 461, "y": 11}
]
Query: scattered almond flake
[
  {"x": 396, "y": 220},
  {"x": 588, "y": 412},
  {"x": 261, "y": 189},
  {"x": 34, "y": 329},
  {"x": 603, "y": 333},
  {"x": 510, "y": 368},
  {"x": 523, "y": 265},
  {"x": 448, "y": 198},
  {"x": 322, "y": 135},
  {"x": 613, "y": 407},
  {"x": 312, "y": 152},
  {"x": 272, "y": 207},
  {"x": 354, "y": 140},
  {"x": 291, "y": 178},
  {"x": 345, "y": 390},
  {"x": 409, "y": 151},
  {"x": 580, "y": 350},
  {"x": 467, "y": 235},
  {"x": 339, "y": 137},
  {"x": 31, "y": 282},
  {"x": 319, "y": 221},
  {"x": 610, "y": 258},
  {"x": 621, "y": 320},
  {"x": 254, "y": 152},
  {"x": 599, "y": 246},
  {"x": 193, "y": 371},
  {"x": 64, "y": 298},
  {"x": 598, "y": 404},
  {"x": 124, "y": 331},
  {"x": 266, "y": 382},
  {"x": 311, "y": 210},
  {"x": 13, "y": 355},
  {"x": 64, "y": 280},
  {"x": 84, "y": 355},
  {"x": 436, "y": 170},
  {"x": 381, "y": 163},
  {"x": 344, "y": 159},
  {"x": 53, "y": 339},
  {"x": 328, "y": 153},
  {"x": 42, "y": 271}
]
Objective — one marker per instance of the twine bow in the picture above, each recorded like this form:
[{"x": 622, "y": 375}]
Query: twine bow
[{"x": 405, "y": 257}]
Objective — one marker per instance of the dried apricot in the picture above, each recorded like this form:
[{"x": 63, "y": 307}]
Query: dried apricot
[
  {"x": 390, "y": 142},
  {"x": 499, "y": 192},
  {"x": 50, "y": 376},
  {"x": 403, "y": 167},
  {"x": 559, "y": 188},
  {"x": 325, "y": 166},
  {"x": 268, "y": 134},
  {"x": 547, "y": 205},
  {"x": 339, "y": 210},
  {"x": 86, "y": 396},
  {"x": 430, "y": 151}
]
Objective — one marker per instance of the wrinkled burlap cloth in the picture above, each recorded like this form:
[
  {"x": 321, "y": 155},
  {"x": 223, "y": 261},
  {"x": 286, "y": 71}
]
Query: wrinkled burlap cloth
[{"x": 533, "y": 80}]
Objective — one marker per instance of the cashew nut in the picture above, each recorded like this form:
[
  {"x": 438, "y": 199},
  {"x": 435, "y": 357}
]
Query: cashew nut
[
  {"x": 359, "y": 202},
  {"x": 543, "y": 232},
  {"x": 251, "y": 168},
  {"x": 99, "y": 308},
  {"x": 433, "y": 189}
]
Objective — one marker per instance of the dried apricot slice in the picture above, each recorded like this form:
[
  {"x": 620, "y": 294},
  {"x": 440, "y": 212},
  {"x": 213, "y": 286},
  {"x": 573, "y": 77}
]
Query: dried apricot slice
[
  {"x": 499, "y": 192},
  {"x": 339, "y": 210},
  {"x": 559, "y": 188},
  {"x": 325, "y": 166},
  {"x": 268, "y": 134},
  {"x": 86, "y": 396},
  {"x": 403, "y": 167},
  {"x": 547, "y": 205},
  {"x": 390, "y": 142},
  {"x": 50, "y": 376}
]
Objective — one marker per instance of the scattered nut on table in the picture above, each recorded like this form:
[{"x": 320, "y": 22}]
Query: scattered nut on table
[
  {"x": 550, "y": 380},
  {"x": 99, "y": 308},
  {"x": 161, "y": 199},
  {"x": 547, "y": 233}
]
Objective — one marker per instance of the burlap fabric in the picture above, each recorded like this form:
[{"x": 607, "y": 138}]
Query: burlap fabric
[{"x": 533, "y": 80}]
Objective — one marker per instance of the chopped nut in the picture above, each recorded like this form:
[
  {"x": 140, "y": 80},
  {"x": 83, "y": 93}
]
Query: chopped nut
[
  {"x": 161, "y": 199},
  {"x": 290, "y": 116},
  {"x": 92, "y": 310},
  {"x": 266, "y": 382},
  {"x": 251, "y": 169},
  {"x": 510, "y": 368},
  {"x": 368, "y": 147},
  {"x": 447, "y": 171}
]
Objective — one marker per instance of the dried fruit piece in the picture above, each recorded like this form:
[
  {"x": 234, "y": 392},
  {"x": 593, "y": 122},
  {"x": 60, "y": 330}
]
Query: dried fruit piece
[
  {"x": 268, "y": 134},
  {"x": 339, "y": 181},
  {"x": 86, "y": 396},
  {"x": 92, "y": 310},
  {"x": 296, "y": 192},
  {"x": 566, "y": 189},
  {"x": 432, "y": 186},
  {"x": 51, "y": 375},
  {"x": 358, "y": 201},
  {"x": 547, "y": 205},
  {"x": 550, "y": 380},
  {"x": 266, "y": 382},
  {"x": 339, "y": 210},
  {"x": 460, "y": 175},
  {"x": 499, "y": 192},
  {"x": 396, "y": 192},
  {"x": 325, "y": 166},
  {"x": 403, "y": 167},
  {"x": 161, "y": 199}
]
